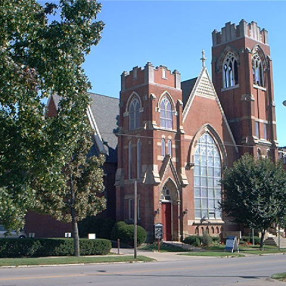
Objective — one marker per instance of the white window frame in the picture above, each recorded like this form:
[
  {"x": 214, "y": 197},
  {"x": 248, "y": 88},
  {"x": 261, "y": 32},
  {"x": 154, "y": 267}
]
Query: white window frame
[{"x": 166, "y": 114}]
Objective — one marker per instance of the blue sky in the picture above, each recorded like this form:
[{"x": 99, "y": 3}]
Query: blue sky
[{"x": 173, "y": 33}]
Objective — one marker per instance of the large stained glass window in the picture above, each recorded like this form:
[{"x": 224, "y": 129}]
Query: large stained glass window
[{"x": 207, "y": 188}]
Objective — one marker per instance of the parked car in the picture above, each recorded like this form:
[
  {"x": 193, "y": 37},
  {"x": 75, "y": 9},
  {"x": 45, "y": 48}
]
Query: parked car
[{"x": 4, "y": 233}]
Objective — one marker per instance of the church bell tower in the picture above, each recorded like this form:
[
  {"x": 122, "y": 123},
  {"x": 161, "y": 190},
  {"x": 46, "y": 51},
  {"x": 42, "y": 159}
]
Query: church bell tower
[{"x": 243, "y": 79}]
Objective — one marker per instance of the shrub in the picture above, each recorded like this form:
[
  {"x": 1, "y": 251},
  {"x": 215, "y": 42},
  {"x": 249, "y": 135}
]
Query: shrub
[
  {"x": 207, "y": 239},
  {"x": 248, "y": 239},
  {"x": 100, "y": 226},
  {"x": 51, "y": 247},
  {"x": 194, "y": 240},
  {"x": 216, "y": 239},
  {"x": 125, "y": 232}
]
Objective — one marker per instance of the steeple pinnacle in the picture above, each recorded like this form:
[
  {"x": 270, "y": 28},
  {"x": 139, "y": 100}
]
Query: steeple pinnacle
[{"x": 203, "y": 59}]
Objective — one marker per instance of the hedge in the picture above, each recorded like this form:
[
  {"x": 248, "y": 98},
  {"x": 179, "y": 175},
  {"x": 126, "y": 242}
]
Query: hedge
[
  {"x": 33, "y": 247},
  {"x": 125, "y": 232},
  {"x": 102, "y": 227},
  {"x": 205, "y": 240}
]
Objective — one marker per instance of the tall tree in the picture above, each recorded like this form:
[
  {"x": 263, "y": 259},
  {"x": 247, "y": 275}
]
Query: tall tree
[
  {"x": 40, "y": 57},
  {"x": 255, "y": 193},
  {"x": 78, "y": 190}
]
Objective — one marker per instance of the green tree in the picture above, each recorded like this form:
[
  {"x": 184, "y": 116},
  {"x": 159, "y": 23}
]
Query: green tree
[
  {"x": 40, "y": 57},
  {"x": 255, "y": 192},
  {"x": 78, "y": 190}
]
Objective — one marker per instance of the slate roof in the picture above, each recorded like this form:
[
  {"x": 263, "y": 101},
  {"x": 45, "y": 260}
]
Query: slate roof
[
  {"x": 105, "y": 110},
  {"x": 187, "y": 87}
]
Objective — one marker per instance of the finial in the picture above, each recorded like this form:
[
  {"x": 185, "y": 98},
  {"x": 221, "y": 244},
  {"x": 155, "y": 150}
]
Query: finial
[{"x": 203, "y": 58}]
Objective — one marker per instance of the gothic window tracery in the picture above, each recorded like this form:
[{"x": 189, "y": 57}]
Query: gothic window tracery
[
  {"x": 166, "y": 194},
  {"x": 258, "y": 73},
  {"x": 134, "y": 114},
  {"x": 207, "y": 189},
  {"x": 230, "y": 71},
  {"x": 166, "y": 114}
]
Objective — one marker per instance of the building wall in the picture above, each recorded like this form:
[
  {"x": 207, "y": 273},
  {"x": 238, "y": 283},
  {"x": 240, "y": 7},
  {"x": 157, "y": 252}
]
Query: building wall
[
  {"x": 246, "y": 105},
  {"x": 231, "y": 119},
  {"x": 158, "y": 171}
]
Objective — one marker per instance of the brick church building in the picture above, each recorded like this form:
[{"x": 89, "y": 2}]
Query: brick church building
[{"x": 175, "y": 138}]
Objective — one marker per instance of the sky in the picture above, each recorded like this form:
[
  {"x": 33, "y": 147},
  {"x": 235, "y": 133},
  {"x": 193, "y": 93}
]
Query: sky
[{"x": 173, "y": 34}]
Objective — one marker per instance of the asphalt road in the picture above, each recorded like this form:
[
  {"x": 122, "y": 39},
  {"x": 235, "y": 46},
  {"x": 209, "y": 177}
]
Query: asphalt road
[{"x": 198, "y": 271}]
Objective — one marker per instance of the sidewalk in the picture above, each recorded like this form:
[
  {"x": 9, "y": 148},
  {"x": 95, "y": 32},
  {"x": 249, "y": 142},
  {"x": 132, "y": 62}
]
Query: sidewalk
[{"x": 158, "y": 256}]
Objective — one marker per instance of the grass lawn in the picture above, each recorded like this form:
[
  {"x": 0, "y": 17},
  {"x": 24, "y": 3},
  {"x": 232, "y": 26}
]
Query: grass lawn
[
  {"x": 163, "y": 247},
  {"x": 279, "y": 276},
  {"x": 213, "y": 253},
  {"x": 70, "y": 260},
  {"x": 219, "y": 251}
]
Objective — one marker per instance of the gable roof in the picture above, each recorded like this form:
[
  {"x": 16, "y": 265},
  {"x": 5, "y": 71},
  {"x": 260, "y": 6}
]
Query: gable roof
[
  {"x": 187, "y": 87},
  {"x": 103, "y": 122},
  {"x": 105, "y": 112},
  {"x": 203, "y": 87}
]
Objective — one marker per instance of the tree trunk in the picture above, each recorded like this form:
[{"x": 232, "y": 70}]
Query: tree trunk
[
  {"x": 262, "y": 239},
  {"x": 75, "y": 233},
  {"x": 74, "y": 219}
]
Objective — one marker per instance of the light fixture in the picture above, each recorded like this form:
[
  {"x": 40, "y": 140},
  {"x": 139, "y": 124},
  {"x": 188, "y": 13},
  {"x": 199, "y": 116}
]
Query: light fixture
[
  {"x": 157, "y": 211},
  {"x": 185, "y": 211}
]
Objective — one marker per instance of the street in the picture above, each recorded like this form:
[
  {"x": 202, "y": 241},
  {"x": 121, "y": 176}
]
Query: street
[{"x": 182, "y": 270}]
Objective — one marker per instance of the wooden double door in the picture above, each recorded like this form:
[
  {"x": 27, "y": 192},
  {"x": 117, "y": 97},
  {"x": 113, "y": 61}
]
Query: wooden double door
[{"x": 167, "y": 221}]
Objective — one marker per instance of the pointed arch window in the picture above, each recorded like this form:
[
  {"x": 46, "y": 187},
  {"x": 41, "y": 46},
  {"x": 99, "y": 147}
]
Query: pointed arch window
[
  {"x": 230, "y": 71},
  {"x": 166, "y": 114},
  {"x": 130, "y": 160},
  {"x": 163, "y": 144},
  {"x": 170, "y": 147},
  {"x": 134, "y": 114},
  {"x": 258, "y": 73},
  {"x": 207, "y": 179},
  {"x": 139, "y": 158}
]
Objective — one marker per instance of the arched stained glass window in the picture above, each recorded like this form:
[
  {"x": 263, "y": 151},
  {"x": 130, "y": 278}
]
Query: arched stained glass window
[
  {"x": 166, "y": 114},
  {"x": 134, "y": 114},
  {"x": 207, "y": 189},
  {"x": 230, "y": 71}
]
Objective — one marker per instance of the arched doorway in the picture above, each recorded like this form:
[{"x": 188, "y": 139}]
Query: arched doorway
[{"x": 169, "y": 208}]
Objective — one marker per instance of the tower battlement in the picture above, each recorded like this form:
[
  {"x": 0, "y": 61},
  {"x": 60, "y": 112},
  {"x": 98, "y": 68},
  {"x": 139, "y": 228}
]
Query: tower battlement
[
  {"x": 150, "y": 75},
  {"x": 233, "y": 32}
]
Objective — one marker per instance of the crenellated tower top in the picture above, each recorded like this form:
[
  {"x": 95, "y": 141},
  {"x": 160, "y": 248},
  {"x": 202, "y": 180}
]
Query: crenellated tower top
[
  {"x": 150, "y": 75},
  {"x": 233, "y": 32}
]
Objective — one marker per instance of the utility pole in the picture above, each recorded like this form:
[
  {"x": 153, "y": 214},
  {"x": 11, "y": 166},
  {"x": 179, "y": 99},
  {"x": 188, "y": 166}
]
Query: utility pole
[{"x": 135, "y": 218}]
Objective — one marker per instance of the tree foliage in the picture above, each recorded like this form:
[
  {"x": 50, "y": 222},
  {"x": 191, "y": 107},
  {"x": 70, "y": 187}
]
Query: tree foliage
[
  {"x": 40, "y": 57},
  {"x": 255, "y": 193}
]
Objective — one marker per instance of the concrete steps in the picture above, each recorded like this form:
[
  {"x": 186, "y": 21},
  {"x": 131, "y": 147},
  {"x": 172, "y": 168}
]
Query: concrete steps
[{"x": 275, "y": 241}]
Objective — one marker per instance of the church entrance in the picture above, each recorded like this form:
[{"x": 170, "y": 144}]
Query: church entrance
[
  {"x": 167, "y": 220},
  {"x": 169, "y": 211}
]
